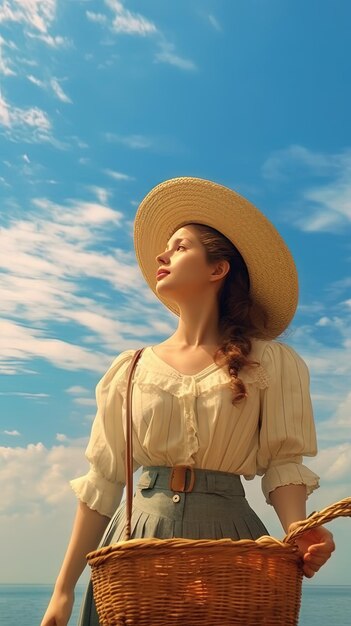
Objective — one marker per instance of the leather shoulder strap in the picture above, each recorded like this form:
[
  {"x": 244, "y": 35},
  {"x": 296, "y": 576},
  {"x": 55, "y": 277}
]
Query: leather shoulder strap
[{"x": 129, "y": 443}]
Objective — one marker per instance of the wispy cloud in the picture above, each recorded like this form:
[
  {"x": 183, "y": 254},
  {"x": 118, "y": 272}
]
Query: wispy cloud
[
  {"x": 48, "y": 261},
  {"x": 326, "y": 203},
  {"x": 323, "y": 339},
  {"x": 298, "y": 160},
  {"x": 98, "y": 18},
  {"x": 38, "y": 18},
  {"x": 31, "y": 125},
  {"x": 134, "y": 24},
  {"x": 36, "y": 81},
  {"x": 25, "y": 394},
  {"x": 124, "y": 21},
  {"x": 5, "y": 64},
  {"x": 118, "y": 175},
  {"x": 37, "y": 14},
  {"x": 102, "y": 194},
  {"x": 20, "y": 344},
  {"x": 58, "y": 91},
  {"x": 54, "y": 41},
  {"x": 136, "y": 142},
  {"x": 334, "y": 463},
  {"x": 77, "y": 390},
  {"x": 80, "y": 394},
  {"x": 5, "y": 118},
  {"x": 61, "y": 437},
  {"x": 167, "y": 54},
  {"x": 53, "y": 85},
  {"x": 12, "y": 433},
  {"x": 85, "y": 401},
  {"x": 214, "y": 22},
  {"x": 162, "y": 144}
]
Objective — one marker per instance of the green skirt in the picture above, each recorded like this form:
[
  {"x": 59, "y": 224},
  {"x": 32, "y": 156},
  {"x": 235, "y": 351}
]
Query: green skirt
[{"x": 215, "y": 508}]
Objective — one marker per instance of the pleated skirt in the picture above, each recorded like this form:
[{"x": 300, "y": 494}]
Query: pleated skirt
[{"x": 216, "y": 508}]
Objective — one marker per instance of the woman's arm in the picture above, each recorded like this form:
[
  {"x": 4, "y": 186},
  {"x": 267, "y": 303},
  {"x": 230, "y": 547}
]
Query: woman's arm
[
  {"x": 88, "y": 529},
  {"x": 289, "y": 503},
  {"x": 317, "y": 545}
]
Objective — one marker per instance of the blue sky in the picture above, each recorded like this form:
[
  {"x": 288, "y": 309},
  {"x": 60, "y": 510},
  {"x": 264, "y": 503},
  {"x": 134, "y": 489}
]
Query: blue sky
[{"x": 99, "y": 102}]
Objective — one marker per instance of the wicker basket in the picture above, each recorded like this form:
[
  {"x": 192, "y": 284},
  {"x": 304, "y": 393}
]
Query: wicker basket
[{"x": 184, "y": 582}]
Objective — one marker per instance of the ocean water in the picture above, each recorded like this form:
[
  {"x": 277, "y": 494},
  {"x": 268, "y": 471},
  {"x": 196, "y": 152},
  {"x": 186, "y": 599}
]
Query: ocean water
[{"x": 24, "y": 605}]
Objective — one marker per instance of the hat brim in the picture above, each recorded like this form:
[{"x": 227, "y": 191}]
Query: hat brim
[{"x": 272, "y": 271}]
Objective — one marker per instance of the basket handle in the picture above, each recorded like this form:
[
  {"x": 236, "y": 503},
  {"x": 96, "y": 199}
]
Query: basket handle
[
  {"x": 129, "y": 444},
  {"x": 339, "y": 509}
]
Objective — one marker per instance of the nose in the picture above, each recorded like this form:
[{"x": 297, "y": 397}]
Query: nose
[{"x": 162, "y": 258}]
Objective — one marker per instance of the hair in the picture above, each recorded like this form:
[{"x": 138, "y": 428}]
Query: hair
[{"x": 235, "y": 325}]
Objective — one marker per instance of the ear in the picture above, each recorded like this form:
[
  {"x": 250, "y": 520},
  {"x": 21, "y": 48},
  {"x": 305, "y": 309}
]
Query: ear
[{"x": 220, "y": 270}]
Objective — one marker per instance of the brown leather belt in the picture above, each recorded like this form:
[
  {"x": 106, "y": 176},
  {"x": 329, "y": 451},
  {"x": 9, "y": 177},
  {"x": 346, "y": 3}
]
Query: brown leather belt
[{"x": 179, "y": 478}]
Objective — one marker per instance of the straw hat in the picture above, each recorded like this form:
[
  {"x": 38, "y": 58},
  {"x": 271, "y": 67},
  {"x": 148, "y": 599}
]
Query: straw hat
[{"x": 180, "y": 201}]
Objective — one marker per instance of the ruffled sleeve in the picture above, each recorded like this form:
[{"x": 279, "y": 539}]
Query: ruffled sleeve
[
  {"x": 102, "y": 487},
  {"x": 287, "y": 430}
]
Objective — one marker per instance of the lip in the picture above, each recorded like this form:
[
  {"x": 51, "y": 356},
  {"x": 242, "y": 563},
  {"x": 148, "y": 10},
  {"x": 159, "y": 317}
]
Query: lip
[{"x": 161, "y": 274}]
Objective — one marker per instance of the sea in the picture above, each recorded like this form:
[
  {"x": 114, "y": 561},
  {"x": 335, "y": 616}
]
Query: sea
[{"x": 24, "y": 605}]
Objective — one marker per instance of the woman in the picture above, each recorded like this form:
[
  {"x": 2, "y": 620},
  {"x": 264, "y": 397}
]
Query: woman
[{"x": 219, "y": 396}]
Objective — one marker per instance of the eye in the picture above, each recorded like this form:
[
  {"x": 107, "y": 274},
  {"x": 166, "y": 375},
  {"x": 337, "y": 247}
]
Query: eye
[{"x": 180, "y": 246}]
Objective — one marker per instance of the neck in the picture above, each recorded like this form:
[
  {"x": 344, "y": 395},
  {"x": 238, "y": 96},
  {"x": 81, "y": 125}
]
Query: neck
[{"x": 198, "y": 326}]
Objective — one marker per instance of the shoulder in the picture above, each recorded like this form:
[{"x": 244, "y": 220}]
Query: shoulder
[
  {"x": 118, "y": 368},
  {"x": 277, "y": 356}
]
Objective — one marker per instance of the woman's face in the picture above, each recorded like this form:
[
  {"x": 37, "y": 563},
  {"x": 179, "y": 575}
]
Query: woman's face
[{"x": 189, "y": 274}]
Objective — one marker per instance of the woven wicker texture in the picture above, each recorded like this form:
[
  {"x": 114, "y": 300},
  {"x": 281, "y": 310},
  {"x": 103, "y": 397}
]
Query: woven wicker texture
[
  {"x": 273, "y": 276},
  {"x": 181, "y": 582}
]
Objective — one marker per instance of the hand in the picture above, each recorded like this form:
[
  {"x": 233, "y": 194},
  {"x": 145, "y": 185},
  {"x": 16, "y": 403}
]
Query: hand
[
  {"x": 59, "y": 609},
  {"x": 316, "y": 547}
]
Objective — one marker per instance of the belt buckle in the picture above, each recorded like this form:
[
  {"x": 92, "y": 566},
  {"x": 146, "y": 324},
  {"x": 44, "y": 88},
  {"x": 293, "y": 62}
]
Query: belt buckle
[{"x": 178, "y": 478}]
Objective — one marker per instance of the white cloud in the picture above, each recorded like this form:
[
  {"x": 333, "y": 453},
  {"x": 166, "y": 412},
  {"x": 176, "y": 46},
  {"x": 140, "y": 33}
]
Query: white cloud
[
  {"x": 79, "y": 213},
  {"x": 135, "y": 24},
  {"x": 12, "y": 433},
  {"x": 53, "y": 85},
  {"x": 34, "y": 477},
  {"x": 279, "y": 165},
  {"x": 48, "y": 261},
  {"x": 38, "y": 14},
  {"x": 76, "y": 390},
  {"x": 99, "y": 18},
  {"x": 125, "y": 21},
  {"x": 5, "y": 68},
  {"x": 343, "y": 412},
  {"x": 58, "y": 91},
  {"x": 136, "y": 142},
  {"x": 101, "y": 193},
  {"x": 56, "y": 41},
  {"x": 323, "y": 321},
  {"x": 19, "y": 344},
  {"x": 168, "y": 55},
  {"x": 118, "y": 175},
  {"x": 61, "y": 437},
  {"x": 36, "y": 81},
  {"x": 326, "y": 206},
  {"x": 25, "y": 394},
  {"x": 29, "y": 125},
  {"x": 334, "y": 463},
  {"x": 5, "y": 118},
  {"x": 214, "y": 22},
  {"x": 85, "y": 401}
]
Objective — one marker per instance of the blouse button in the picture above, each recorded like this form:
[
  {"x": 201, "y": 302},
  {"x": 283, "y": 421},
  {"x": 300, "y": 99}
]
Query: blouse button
[{"x": 176, "y": 498}]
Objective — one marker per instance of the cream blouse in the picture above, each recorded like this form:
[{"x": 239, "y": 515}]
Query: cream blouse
[{"x": 190, "y": 420}]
